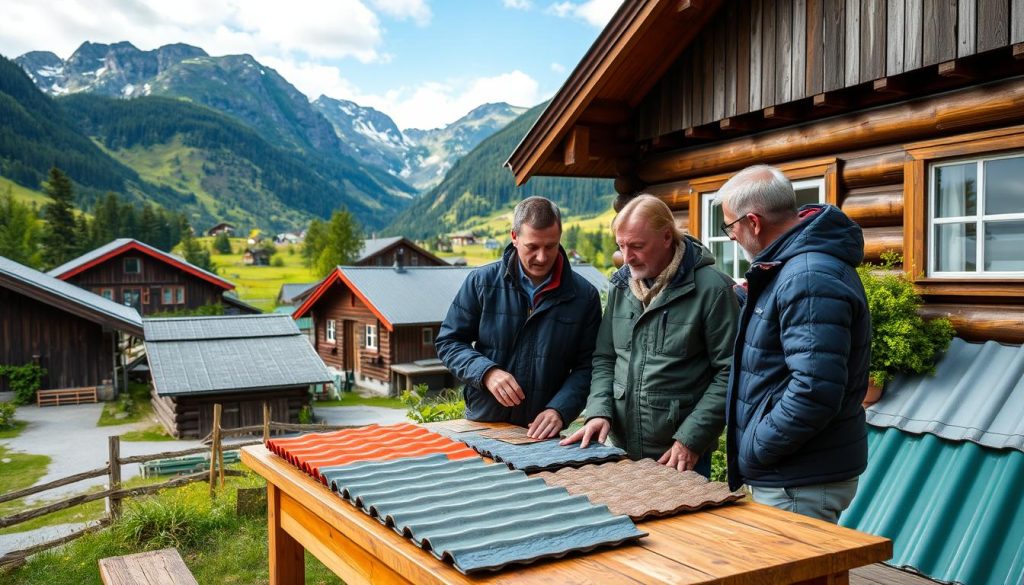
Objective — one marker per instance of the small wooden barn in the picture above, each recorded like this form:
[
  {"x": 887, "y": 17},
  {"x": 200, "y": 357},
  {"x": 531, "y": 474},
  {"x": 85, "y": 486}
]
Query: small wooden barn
[
  {"x": 388, "y": 251},
  {"x": 74, "y": 334},
  {"x": 236, "y": 361},
  {"x": 907, "y": 114}
]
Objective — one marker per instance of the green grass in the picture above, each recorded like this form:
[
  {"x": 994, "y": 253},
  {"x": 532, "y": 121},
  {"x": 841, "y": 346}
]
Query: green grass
[
  {"x": 153, "y": 433},
  {"x": 143, "y": 409},
  {"x": 14, "y": 430},
  {"x": 23, "y": 194},
  {"x": 217, "y": 546},
  {"x": 23, "y": 470},
  {"x": 355, "y": 399},
  {"x": 259, "y": 285}
]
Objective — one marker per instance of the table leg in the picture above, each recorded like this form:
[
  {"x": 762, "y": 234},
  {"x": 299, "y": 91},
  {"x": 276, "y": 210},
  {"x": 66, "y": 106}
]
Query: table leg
[{"x": 287, "y": 557}]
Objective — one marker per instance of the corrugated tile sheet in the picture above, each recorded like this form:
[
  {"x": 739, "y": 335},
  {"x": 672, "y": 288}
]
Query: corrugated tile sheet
[
  {"x": 987, "y": 377},
  {"x": 479, "y": 516},
  {"x": 954, "y": 511},
  {"x": 642, "y": 489},
  {"x": 314, "y": 451},
  {"x": 542, "y": 456}
]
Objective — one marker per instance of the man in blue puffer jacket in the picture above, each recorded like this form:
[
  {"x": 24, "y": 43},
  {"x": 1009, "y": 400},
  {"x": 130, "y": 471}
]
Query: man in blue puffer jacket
[
  {"x": 796, "y": 431},
  {"x": 520, "y": 333}
]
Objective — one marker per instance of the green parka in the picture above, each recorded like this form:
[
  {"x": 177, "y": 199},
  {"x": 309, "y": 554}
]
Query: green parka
[{"x": 661, "y": 374}]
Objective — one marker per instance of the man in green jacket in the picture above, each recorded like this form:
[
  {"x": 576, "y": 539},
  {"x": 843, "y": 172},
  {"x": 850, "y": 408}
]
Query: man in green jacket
[{"x": 664, "y": 348}]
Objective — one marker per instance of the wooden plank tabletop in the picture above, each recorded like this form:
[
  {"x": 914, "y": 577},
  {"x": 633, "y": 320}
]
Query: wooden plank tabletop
[{"x": 742, "y": 543}]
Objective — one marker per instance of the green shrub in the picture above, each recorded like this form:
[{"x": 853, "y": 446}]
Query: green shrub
[
  {"x": 901, "y": 341},
  {"x": 7, "y": 415},
  {"x": 24, "y": 380},
  {"x": 446, "y": 405},
  {"x": 182, "y": 520},
  {"x": 719, "y": 464},
  {"x": 126, "y": 404},
  {"x": 305, "y": 415}
]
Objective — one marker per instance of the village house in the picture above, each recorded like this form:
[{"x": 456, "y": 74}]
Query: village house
[
  {"x": 256, "y": 256},
  {"x": 222, "y": 227},
  {"x": 464, "y": 238},
  {"x": 138, "y": 275},
  {"x": 386, "y": 251},
  {"x": 74, "y": 334},
  {"x": 909, "y": 116}
]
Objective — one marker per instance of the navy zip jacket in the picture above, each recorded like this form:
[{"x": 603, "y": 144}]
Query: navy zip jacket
[
  {"x": 800, "y": 364},
  {"x": 548, "y": 347}
]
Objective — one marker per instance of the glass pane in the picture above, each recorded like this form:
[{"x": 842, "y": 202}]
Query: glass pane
[
  {"x": 1004, "y": 186},
  {"x": 956, "y": 190},
  {"x": 715, "y": 218},
  {"x": 744, "y": 263},
  {"x": 956, "y": 247},
  {"x": 723, "y": 255},
  {"x": 806, "y": 196},
  {"x": 1004, "y": 246}
]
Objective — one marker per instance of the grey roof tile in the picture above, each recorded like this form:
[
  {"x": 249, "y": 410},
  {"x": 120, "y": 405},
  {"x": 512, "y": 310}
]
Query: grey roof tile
[
  {"x": 545, "y": 455},
  {"x": 374, "y": 245},
  {"x": 416, "y": 295},
  {"x": 211, "y": 328},
  {"x": 593, "y": 276},
  {"x": 478, "y": 516},
  {"x": 989, "y": 377},
  {"x": 291, "y": 290}
]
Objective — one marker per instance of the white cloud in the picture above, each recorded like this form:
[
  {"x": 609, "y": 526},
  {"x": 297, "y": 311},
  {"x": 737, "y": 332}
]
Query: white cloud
[
  {"x": 518, "y": 4},
  {"x": 594, "y": 12},
  {"x": 558, "y": 68},
  {"x": 417, "y": 10}
]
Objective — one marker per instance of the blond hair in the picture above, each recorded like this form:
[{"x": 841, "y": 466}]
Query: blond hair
[{"x": 652, "y": 211}]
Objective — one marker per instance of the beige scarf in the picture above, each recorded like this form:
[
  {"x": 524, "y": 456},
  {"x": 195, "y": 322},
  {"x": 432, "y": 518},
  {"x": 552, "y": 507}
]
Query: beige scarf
[{"x": 646, "y": 295}]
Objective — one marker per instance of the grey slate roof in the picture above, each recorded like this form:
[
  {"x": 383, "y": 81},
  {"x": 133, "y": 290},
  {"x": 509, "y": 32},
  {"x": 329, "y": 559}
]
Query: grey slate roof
[
  {"x": 371, "y": 247},
  {"x": 479, "y": 516},
  {"x": 92, "y": 303},
  {"x": 593, "y": 276},
  {"x": 976, "y": 394},
  {"x": 417, "y": 295},
  {"x": 119, "y": 243},
  {"x": 291, "y": 290},
  {"x": 202, "y": 355}
]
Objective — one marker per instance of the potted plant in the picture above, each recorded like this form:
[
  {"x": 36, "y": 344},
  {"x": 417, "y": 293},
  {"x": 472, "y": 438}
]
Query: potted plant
[{"x": 901, "y": 340}]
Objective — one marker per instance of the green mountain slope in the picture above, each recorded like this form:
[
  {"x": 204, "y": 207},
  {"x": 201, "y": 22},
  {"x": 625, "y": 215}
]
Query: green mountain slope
[{"x": 478, "y": 185}]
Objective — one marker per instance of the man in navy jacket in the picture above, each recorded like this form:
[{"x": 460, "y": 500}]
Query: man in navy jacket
[
  {"x": 520, "y": 333},
  {"x": 796, "y": 431}
]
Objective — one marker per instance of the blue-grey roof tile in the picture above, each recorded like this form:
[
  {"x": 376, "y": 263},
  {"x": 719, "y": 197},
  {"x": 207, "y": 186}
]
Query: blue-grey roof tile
[
  {"x": 374, "y": 245},
  {"x": 291, "y": 290},
  {"x": 987, "y": 378},
  {"x": 593, "y": 276},
  {"x": 412, "y": 296},
  {"x": 479, "y": 516},
  {"x": 540, "y": 456},
  {"x": 211, "y": 328}
]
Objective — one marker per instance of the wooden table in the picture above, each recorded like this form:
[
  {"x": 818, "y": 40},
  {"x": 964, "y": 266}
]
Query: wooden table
[{"x": 740, "y": 543}]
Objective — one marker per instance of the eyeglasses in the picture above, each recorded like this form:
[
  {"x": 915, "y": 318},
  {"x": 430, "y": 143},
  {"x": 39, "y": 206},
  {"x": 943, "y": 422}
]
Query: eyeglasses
[{"x": 727, "y": 228}]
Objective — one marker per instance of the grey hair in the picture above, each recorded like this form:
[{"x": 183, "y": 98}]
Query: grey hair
[
  {"x": 760, "y": 189},
  {"x": 654, "y": 212},
  {"x": 536, "y": 212}
]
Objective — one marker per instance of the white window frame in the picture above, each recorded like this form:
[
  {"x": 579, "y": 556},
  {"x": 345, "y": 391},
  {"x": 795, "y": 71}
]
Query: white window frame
[
  {"x": 331, "y": 331},
  {"x": 713, "y": 234},
  {"x": 980, "y": 219},
  {"x": 138, "y": 265},
  {"x": 370, "y": 335}
]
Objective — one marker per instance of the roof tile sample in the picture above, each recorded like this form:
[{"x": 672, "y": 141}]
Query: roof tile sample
[
  {"x": 478, "y": 516},
  {"x": 642, "y": 489},
  {"x": 543, "y": 456},
  {"x": 449, "y": 427},
  {"x": 514, "y": 435},
  {"x": 314, "y": 451}
]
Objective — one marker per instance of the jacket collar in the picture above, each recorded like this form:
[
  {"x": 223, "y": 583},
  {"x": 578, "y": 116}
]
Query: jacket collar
[{"x": 561, "y": 279}]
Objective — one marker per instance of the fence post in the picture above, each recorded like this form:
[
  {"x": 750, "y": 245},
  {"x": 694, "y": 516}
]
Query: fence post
[
  {"x": 214, "y": 448},
  {"x": 114, "y": 481},
  {"x": 266, "y": 421}
]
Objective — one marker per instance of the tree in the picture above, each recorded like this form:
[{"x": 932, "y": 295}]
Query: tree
[
  {"x": 58, "y": 237},
  {"x": 194, "y": 252},
  {"x": 338, "y": 242},
  {"x": 316, "y": 239},
  {"x": 222, "y": 244},
  {"x": 19, "y": 232}
]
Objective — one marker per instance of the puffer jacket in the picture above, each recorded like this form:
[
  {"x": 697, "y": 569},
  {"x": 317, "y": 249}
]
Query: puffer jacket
[
  {"x": 800, "y": 365},
  {"x": 660, "y": 374},
  {"x": 548, "y": 348}
]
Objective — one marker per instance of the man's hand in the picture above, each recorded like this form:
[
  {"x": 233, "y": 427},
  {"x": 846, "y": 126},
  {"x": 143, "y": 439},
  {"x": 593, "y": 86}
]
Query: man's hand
[
  {"x": 596, "y": 429},
  {"x": 680, "y": 456},
  {"x": 503, "y": 387},
  {"x": 547, "y": 424}
]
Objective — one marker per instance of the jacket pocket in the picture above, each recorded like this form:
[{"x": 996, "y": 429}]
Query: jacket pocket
[
  {"x": 618, "y": 391},
  {"x": 668, "y": 410},
  {"x": 746, "y": 451},
  {"x": 676, "y": 339}
]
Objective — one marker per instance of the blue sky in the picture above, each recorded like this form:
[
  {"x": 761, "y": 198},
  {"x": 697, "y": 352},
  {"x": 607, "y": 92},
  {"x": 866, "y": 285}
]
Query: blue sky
[{"x": 423, "y": 62}]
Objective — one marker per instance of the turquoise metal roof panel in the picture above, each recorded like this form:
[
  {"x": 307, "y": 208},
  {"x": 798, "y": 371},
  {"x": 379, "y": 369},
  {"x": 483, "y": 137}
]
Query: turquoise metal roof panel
[
  {"x": 954, "y": 511},
  {"x": 542, "y": 455},
  {"x": 987, "y": 376}
]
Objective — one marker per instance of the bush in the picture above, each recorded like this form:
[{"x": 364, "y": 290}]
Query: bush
[
  {"x": 901, "y": 341},
  {"x": 305, "y": 415},
  {"x": 24, "y": 380},
  {"x": 186, "y": 518},
  {"x": 447, "y": 405},
  {"x": 6, "y": 415},
  {"x": 126, "y": 404},
  {"x": 277, "y": 261}
]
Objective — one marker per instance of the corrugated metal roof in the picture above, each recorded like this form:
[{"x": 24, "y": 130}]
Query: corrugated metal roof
[
  {"x": 123, "y": 242},
  {"x": 201, "y": 355},
  {"x": 478, "y": 516},
  {"x": 642, "y": 489},
  {"x": 291, "y": 290},
  {"x": 212, "y": 328},
  {"x": 412, "y": 296},
  {"x": 593, "y": 276},
  {"x": 56, "y": 287},
  {"x": 987, "y": 376},
  {"x": 545, "y": 455},
  {"x": 954, "y": 511},
  {"x": 315, "y": 451},
  {"x": 372, "y": 246}
]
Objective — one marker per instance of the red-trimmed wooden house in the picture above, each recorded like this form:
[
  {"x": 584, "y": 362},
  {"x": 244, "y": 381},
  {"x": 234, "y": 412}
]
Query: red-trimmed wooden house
[{"x": 386, "y": 251}]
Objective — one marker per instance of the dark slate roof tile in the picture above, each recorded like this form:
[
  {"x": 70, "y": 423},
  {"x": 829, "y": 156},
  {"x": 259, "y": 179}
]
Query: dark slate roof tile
[{"x": 545, "y": 455}]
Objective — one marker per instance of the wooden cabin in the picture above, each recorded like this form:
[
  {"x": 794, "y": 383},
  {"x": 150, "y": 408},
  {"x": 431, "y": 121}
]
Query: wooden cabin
[
  {"x": 72, "y": 333},
  {"x": 236, "y": 361},
  {"x": 368, "y": 319},
  {"x": 222, "y": 227},
  {"x": 388, "y": 251},
  {"x": 136, "y": 274},
  {"x": 907, "y": 114}
]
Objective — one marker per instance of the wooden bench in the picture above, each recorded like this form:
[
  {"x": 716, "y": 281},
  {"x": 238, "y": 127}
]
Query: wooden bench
[
  {"x": 159, "y": 567},
  {"x": 66, "y": 396}
]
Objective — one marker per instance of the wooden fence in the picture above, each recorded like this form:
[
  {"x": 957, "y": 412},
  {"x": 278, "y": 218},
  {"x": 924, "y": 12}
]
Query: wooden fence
[{"x": 115, "y": 494}]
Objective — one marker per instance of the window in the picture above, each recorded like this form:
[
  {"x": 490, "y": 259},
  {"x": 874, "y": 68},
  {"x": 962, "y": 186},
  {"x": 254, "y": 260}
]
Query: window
[
  {"x": 427, "y": 333},
  {"x": 414, "y": 260},
  {"x": 729, "y": 256},
  {"x": 132, "y": 265},
  {"x": 976, "y": 218},
  {"x": 131, "y": 297},
  {"x": 370, "y": 337},
  {"x": 107, "y": 293},
  {"x": 332, "y": 331},
  {"x": 172, "y": 295}
]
